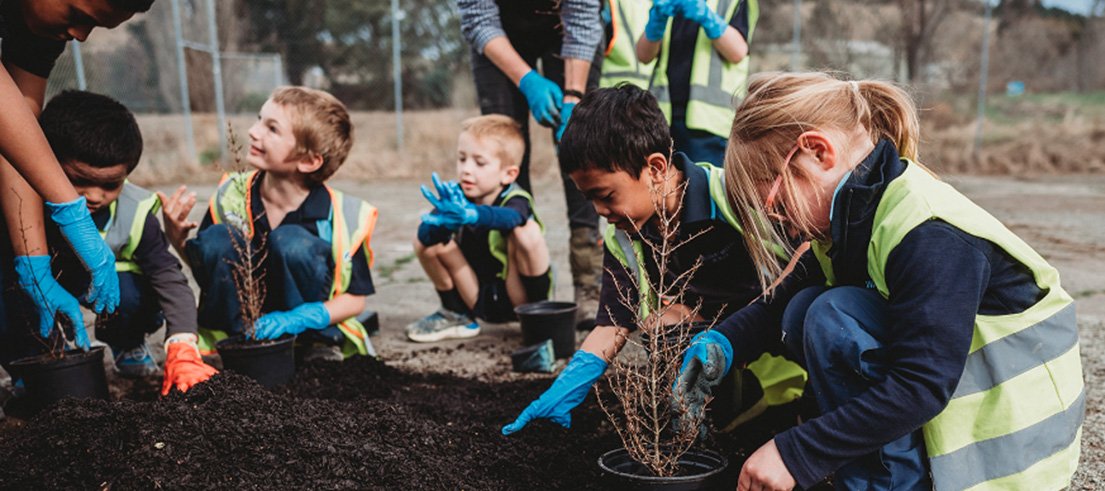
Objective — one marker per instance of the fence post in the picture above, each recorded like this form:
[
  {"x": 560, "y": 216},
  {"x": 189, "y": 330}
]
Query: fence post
[
  {"x": 217, "y": 75},
  {"x": 182, "y": 74},
  {"x": 983, "y": 72},
  {"x": 397, "y": 73},
  {"x": 796, "y": 37},
  {"x": 78, "y": 64}
]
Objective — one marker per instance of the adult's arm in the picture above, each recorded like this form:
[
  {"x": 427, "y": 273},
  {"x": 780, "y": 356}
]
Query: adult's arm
[{"x": 582, "y": 34}]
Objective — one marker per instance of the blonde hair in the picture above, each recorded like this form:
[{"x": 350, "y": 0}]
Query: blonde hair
[
  {"x": 504, "y": 131},
  {"x": 780, "y": 107},
  {"x": 321, "y": 126}
]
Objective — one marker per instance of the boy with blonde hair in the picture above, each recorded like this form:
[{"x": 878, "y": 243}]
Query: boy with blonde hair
[
  {"x": 482, "y": 246},
  {"x": 315, "y": 238}
]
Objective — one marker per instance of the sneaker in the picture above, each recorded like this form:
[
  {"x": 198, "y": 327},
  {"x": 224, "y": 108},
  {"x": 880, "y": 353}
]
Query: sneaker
[
  {"x": 443, "y": 324},
  {"x": 136, "y": 362}
]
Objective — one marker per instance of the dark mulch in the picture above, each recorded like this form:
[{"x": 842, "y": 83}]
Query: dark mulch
[{"x": 355, "y": 425}]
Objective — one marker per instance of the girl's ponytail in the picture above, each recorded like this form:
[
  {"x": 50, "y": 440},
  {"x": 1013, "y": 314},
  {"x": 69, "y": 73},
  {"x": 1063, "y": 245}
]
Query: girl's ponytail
[{"x": 891, "y": 115}]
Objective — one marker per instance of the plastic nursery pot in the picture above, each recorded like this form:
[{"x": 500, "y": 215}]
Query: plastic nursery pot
[
  {"x": 270, "y": 362},
  {"x": 673, "y": 337},
  {"x": 698, "y": 469},
  {"x": 549, "y": 320},
  {"x": 76, "y": 374}
]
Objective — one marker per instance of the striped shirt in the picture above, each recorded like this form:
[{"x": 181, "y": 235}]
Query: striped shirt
[{"x": 582, "y": 28}]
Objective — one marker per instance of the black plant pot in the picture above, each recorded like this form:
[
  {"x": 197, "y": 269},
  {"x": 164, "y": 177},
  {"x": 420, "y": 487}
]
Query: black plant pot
[
  {"x": 76, "y": 374},
  {"x": 270, "y": 362},
  {"x": 698, "y": 469},
  {"x": 549, "y": 320}
]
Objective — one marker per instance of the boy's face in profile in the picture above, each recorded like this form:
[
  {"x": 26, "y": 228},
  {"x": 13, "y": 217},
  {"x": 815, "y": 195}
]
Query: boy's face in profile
[
  {"x": 271, "y": 141},
  {"x": 100, "y": 186},
  {"x": 624, "y": 200},
  {"x": 480, "y": 169},
  {"x": 70, "y": 19}
]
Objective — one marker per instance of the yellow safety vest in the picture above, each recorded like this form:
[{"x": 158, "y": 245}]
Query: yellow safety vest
[
  {"x": 348, "y": 228},
  {"x": 628, "y": 17},
  {"x": 782, "y": 380},
  {"x": 497, "y": 243},
  {"x": 124, "y": 229},
  {"x": 716, "y": 84},
  {"x": 1015, "y": 419}
]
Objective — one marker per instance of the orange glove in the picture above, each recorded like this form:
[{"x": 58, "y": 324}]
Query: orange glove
[{"x": 183, "y": 365}]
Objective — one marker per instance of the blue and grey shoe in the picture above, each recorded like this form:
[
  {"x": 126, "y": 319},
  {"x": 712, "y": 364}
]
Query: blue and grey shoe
[
  {"x": 136, "y": 362},
  {"x": 441, "y": 325}
]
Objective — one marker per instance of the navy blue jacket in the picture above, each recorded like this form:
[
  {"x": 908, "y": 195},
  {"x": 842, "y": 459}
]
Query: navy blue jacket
[{"x": 939, "y": 278}]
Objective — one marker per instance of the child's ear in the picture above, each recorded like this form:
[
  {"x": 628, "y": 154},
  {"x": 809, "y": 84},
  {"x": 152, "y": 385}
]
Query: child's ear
[
  {"x": 510, "y": 173},
  {"x": 656, "y": 169},
  {"x": 310, "y": 163},
  {"x": 819, "y": 145}
]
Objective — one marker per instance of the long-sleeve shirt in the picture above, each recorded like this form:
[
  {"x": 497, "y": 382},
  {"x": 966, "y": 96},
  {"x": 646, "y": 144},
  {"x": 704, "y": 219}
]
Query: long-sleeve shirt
[
  {"x": 939, "y": 279},
  {"x": 481, "y": 21}
]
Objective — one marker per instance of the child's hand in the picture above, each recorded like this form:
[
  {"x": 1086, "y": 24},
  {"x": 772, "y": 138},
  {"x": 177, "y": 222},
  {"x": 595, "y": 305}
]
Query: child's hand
[
  {"x": 451, "y": 209},
  {"x": 175, "y": 210}
]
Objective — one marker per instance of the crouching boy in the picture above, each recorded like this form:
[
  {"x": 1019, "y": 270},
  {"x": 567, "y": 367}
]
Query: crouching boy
[
  {"x": 314, "y": 239},
  {"x": 482, "y": 246},
  {"x": 98, "y": 144}
]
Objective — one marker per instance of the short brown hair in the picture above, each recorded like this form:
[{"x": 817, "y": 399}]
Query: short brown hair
[
  {"x": 504, "y": 131},
  {"x": 321, "y": 126}
]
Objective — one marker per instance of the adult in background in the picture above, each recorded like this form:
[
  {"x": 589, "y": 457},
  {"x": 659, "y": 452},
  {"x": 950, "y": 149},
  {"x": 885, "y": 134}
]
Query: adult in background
[{"x": 508, "y": 37}]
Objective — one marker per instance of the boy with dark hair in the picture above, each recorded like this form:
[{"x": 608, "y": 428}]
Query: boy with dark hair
[
  {"x": 618, "y": 151},
  {"x": 98, "y": 143},
  {"x": 316, "y": 238},
  {"x": 483, "y": 246},
  {"x": 34, "y": 34}
]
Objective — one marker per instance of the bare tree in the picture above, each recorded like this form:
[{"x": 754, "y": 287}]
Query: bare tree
[{"x": 920, "y": 18}]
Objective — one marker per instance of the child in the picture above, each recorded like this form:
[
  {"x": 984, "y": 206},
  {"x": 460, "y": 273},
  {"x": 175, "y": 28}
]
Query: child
[
  {"x": 937, "y": 341},
  {"x": 702, "y": 68},
  {"x": 482, "y": 246},
  {"x": 34, "y": 35},
  {"x": 617, "y": 151},
  {"x": 315, "y": 238},
  {"x": 98, "y": 143}
]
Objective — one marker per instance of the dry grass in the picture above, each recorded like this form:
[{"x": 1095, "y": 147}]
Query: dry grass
[{"x": 430, "y": 143}]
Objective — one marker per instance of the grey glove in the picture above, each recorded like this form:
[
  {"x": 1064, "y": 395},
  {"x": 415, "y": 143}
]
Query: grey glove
[{"x": 694, "y": 386}]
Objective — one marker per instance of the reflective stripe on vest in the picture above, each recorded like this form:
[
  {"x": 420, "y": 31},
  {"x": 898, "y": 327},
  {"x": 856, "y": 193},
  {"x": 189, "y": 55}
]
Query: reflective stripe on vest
[
  {"x": 496, "y": 242},
  {"x": 231, "y": 204},
  {"x": 1014, "y": 421},
  {"x": 716, "y": 85},
  {"x": 782, "y": 380},
  {"x": 628, "y": 18},
  {"x": 124, "y": 229}
]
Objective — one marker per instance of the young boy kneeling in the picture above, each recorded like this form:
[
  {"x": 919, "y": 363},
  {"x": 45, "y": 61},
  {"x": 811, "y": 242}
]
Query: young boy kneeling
[
  {"x": 98, "y": 144},
  {"x": 482, "y": 246},
  {"x": 315, "y": 239}
]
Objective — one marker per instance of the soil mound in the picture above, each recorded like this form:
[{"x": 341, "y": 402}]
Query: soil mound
[{"x": 355, "y": 425}]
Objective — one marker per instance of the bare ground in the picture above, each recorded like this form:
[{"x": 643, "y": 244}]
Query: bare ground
[{"x": 1063, "y": 217}]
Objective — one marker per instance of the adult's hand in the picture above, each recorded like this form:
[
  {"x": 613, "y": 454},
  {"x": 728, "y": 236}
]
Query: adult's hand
[
  {"x": 76, "y": 226},
  {"x": 50, "y": 299},
  {"x": 543, "y": 96},
  {"x": 699, "y": 11}
]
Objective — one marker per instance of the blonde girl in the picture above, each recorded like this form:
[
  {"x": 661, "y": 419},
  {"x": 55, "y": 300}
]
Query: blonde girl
[{"x": 941, "y": 349}]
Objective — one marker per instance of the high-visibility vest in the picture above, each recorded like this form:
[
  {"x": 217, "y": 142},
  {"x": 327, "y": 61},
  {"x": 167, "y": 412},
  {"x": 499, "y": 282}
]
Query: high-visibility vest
[
  {"x": 782, "y": 380},
  {"x": 124, "y": 228},
  {"x": 496, "y": 242},
  {"x": 348, "y": 228},
  {"x": 1015, "y": 419},
  {"x": 628, "y": 18},
  {"x": 716, "y": 85}
]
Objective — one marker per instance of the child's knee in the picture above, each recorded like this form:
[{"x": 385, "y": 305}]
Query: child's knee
[
  {"x": 297, "y": 245},
  {"x": 528, "y": 237},
  {"x": 212, "y": 246}
]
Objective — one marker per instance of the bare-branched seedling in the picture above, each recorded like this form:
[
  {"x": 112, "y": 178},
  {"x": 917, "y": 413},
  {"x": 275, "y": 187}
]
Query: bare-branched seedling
[
  {"x": 55, "y": 345},
  {"x": 646, "y": 409},
  {"x": 247, "y": 271}
]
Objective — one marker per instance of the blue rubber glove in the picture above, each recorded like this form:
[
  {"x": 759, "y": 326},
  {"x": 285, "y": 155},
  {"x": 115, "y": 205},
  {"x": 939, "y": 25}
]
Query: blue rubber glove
[
  {"x": 311, "y": 315},
  {"x": 702, "y": 349},
  {"x": 35, "y": 277},
  {"x": 698, "y": 11},
  {"x": 658, "y": 17},
  {"x": 565, "y": 115},
  {"x": 451, "y": 209},
  {"x": 76, "y": 226},
  {"x": 569, "y": 389},
  {"x": 543, "y": 96}
]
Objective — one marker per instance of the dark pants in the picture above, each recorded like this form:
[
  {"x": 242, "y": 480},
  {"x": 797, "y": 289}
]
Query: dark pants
[
  {"x": 700, "y": 146},
  {"x": 840, "y": 333},
  {"x": 298, "y": 269},
  {"x": 137, "y": 315},
  {"x": 498, "y": 95}
]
